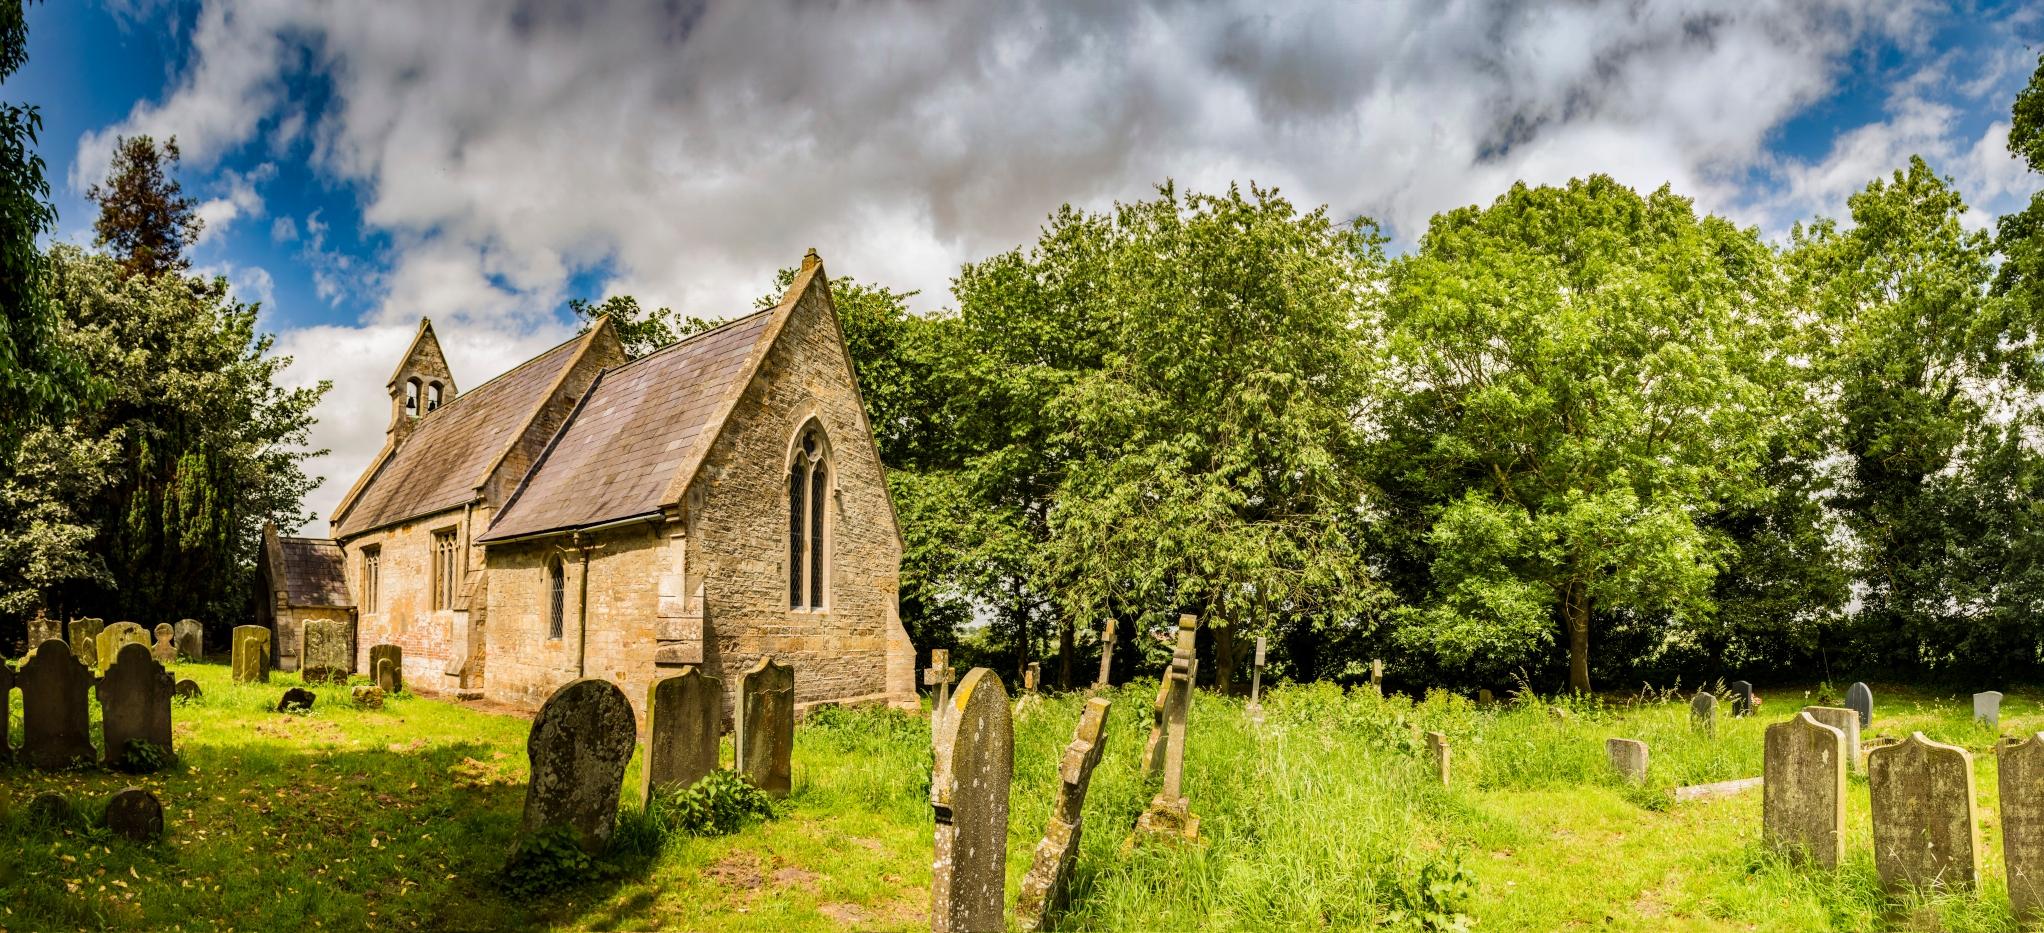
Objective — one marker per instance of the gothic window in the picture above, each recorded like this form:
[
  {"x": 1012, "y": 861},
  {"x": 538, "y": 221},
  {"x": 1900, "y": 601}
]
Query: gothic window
[
  {"x": 372, "y": 567},
  {"x": 808, "y": 544},
  {"x": 556, "y": 586},
  {"x": 433, "y": 396},
  {"x": 443, "y": 569}
]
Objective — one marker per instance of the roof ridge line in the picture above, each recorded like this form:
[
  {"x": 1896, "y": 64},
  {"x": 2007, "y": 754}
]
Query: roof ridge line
[
  {"x": 456, "y": 400},
  {"x": 544, "y": 455},
  {"x": 588, "y": 339},
  {"x": 685, "y": 341}
]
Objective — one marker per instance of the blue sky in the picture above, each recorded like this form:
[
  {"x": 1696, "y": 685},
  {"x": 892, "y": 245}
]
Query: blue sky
[{"x": 364, "y": 163}]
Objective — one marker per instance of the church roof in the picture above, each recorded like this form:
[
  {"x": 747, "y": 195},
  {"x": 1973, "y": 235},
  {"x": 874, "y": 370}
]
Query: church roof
[
  {"x": 452, "y": 450},
  {"x": 633, "y": 432},
  {"x": 310, "y": 570}
]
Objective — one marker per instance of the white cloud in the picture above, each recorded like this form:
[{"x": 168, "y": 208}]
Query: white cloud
[
  {"x": 284, "y": 230},
  {"x": 240, "y": 199}
]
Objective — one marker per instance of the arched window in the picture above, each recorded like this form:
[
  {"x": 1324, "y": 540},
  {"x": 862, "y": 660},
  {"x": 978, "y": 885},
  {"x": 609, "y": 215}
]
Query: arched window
[
  {"x": 412, "y": 397},
  {"x": 556, "y": 590},
  {"x": 433, "y": 396},
  {"x": 808, "y": 521}
]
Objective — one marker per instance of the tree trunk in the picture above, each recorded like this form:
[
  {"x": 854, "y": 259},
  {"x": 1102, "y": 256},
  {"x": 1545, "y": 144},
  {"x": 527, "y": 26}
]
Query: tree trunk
[
  {"x": 1064, "y": 652},
  {"x": 1107, "y": 626},
  {"x": 1224, "y": 659},
  {"x": 1576, "y": 605}
]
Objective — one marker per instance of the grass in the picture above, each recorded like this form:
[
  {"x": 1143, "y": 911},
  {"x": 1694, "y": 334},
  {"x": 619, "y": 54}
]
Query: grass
[{"x": 1327, "y": 815}]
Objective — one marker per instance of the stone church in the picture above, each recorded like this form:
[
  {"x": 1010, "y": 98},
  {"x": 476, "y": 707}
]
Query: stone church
[{"x": 585, "y": 514}]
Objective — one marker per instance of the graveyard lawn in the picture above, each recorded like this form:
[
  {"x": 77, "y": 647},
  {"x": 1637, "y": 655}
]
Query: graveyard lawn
[{"x": 1329, "y": 815}]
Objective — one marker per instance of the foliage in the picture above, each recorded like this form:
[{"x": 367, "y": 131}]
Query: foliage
[
  {"x": 1432, "y": 896},
  {"x": 139, "y": 757},
  {"x": 719, "y": 804},
  {"x": 144, "y": 216},
  {"x": 546, "y": 863},
  {"x": 640, "y": 330}
]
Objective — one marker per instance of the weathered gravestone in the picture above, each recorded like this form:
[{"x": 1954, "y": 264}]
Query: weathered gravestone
[
  {"x": 684, "y": 718},
  {"x": 1926, "y": 833},
  {"x": 1182, "y": 656},
  {"x": 190, "y": 637},
  {"x": 297, "y": 700},
  {"x": 367, "y": 696},
  {"x": 1845, "y": 721},
  {"x": 1377, "y": 676},
  {"x": 938, "y": 678},
  {"x": 1437, "y": 746},
  {"x": 1046, "y": 888},
  {"x": 969, "y": 796},
  {"x": 1032, "y": 676},
  {"x": 1485, "y": 698},
  {"x": 1803, "y": 790},
  {"x": 579, "y": 746},
  {"x": 134, "y": 703},
  {"x": 188, "y": 689},
  {"x": 50, "y": 810},
  {"x": 134, "y": 813},
  {"x": 1859, "y": 699},
  {"x": 1742, "y": 698},
  {"x": 764, "y": 747},
  {"x": 251, "y": 654},
  {"x": 1256, "y": 675},
  {"x": 392, "y": 682},
  {"x": 42, "y": 628},
  {"x": 84, "y": 641},
  {"x": 1170, "y": 812},
  {"x": 1628, "y": 758},
  {"x": 2020, "y": 768},
  {"x": 1703, "y": 713},
  {"x": 1987, "y": 708},
  {"x": 112, "y": 638},
  {"x": 165, "y": 648},
  {"x": 327, "y": 652},
  {"x": 55, "y": 718}
]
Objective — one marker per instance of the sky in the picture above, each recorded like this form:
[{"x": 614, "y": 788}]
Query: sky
[{"x": 363, "y": 163}]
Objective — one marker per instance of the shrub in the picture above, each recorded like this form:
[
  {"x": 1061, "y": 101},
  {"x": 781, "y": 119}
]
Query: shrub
[{"x": 720, "y": 804}]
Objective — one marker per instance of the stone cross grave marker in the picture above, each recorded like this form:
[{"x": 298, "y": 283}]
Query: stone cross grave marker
[
  {"x": 328, "y": 654},
  {"x": 1845, "y": 721},
  {"x": 6, "y": 713},
  {"x": 938, "y": 677},
  {"x": 684, "y": 719},
  {"x": 1859, "y": 699},
  {"x": 1926, "y": 830},
  {"x": 1742, "y": 698},
  {"x": 84, "y": 641},
  {"x": 1803, "y": 790},
  {"x": 1170, "y": 813},
  {"x": 114, "y": 636},
  {"x": 1256, "y": 675},
  {"x": 191, "y": 639},
  {"x": 394, "y": 683},
  {"x": 969, "y": 795},
  {"x": 134, "y": 703},
  {"x": 1437, "y": 745},
  {"x": 135, "y": 814},
  {"x": 55, "y": 717},
  {"x": 1628, "y": 758},
  {"x": 1182, "y": 657},
  {"x": 766, "y": 726},
  {"x": 2020, "y": 768},
  {"x": 1987, "y": 708},
  {"x": 165, "y": 648},
  {"x": 1046, "y": 888},
  {"x": 1703, "y": 713},
  {"x": 251, "y": 654},
  {"x": 578, "y": 748}
]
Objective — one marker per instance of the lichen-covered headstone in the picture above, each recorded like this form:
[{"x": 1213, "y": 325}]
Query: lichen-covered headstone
[
  {"x": 55, "y": 708},
  {"x": 1987, "y": 708},
  {"x": 969, "y": 794},
  {"x": 1845, "y": 721},
  {"x": 392, "y": 683},
  {"x": 579, "y": 746},
  {"x": 2020, "y": 773},
  {"x": 112, "y": 638},
  {"x": 1742, "y": 698},
  {"x": 1437, "y": 746},
  {"x": 1169, "y": 814},
  {"x": 297, "y": 700},
  {"x": 134, "y": 813},
  {"x": 1803, "y": 792},
  {"x": 1628, "y": 758},
  {"x": 1182, "y": 657},
  {"x": 188, "y": 689},
  {"x": 764, "y": 746},
  {"x": 134, "y": 703},
  {"x": 367, "y": 696},
  {"x": 1860, "y": 700},
  {"x": 251, "y": 654},
  {"x": 1926, "y": 830},
  {"x": 42, "y": 628},
  {"x": 938, "y": 677},
  {"x": 1485, "y": 698},
  {"x": 84, "y": 641},
  {"x": 684, "y": 718},
  {"x": 1377, "y": 676},
  {"x": 1047, "y": 886},
  {"x": 165, "y": 647},
  {"x": 1032, "y": 676},
  {"x": 190, "y": 637},
  {"x": 1703, "y": 713},
  {"x": 327, "y": 653}
]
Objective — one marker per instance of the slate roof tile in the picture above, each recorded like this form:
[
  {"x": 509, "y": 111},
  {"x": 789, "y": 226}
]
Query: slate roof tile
[{"x": 314, "y": 574}]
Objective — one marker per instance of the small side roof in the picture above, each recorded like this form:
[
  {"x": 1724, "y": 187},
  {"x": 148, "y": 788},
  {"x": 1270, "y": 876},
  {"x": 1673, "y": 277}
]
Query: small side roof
[{"x": 311, "y": 571}]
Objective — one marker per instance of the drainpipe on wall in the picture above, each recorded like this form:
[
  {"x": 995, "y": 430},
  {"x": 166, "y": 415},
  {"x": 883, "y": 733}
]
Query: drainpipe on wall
[{"x": 582, "y": 610}]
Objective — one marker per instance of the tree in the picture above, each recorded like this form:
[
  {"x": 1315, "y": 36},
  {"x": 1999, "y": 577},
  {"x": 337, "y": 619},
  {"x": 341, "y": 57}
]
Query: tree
[
  {"x": 1575, "y": 386},
  {"x": 641, "y": 331},
  {"x": 144, "y": 216}
]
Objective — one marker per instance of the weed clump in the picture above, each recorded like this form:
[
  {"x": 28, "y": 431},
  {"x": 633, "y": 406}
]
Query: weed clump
[{"x": 720, "y": 804}]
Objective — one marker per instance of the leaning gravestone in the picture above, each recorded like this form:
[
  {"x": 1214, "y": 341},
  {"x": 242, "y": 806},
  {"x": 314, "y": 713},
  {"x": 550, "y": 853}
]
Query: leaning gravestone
[
  {"x": 55, "y": 713},
  {"x": 1803, "y": 792},
  {"x": 1182, "y": 658},
  {"x": 969, "y": 794},
  {"x": 327, "y": 654},
  {"x": 579, "y": 746},
  {"x": 2021, "y": 774},
  {"x": 297, "y": 700},
  {"x": 190, "y": 637},
  {"x": 684, "y": 718},
  {"x": 134, "y": 813},
  {"x": 396, "y": 656},
  {"x": 1926, "y": 831},
  {"x": 1845, "y": 721},
  {"x": 134, "y": 703},
  {"x": 251, "y": 654},
  {"x": 1437, "y": 745},
  {"x": 165, "y": 648},
  {"x": 113, "y": 637},
  {"x": 1703, "y": 713},
  {"x": 1859, "y": 699},
  {"x": 1170, "y": 811},
  {"x": 764, "y": 748},
  {"x": 1047, "y": 886},
  {"x": 1987, "y": 708},
  {"x": 1628, "y": 758},
  {"x": 1742, "y": 698},
  {"x": 84, "y": 641}
]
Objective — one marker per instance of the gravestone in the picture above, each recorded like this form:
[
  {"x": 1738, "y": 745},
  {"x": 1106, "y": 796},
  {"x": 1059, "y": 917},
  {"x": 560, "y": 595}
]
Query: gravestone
[
  {"x": 765, "y": 742},
  {"x": 367, "y": 696},
  {"x": 251, "y": 654},
  {"x": 1170, "y": 812},
  {"x": 134, "y": 703},
  {"x": 113, "y": 637},
  {"x": 56, "y": 722},
  {"x": 1742, "y": 698},
  {"x": 938, "y": 678},
  {"x": 395, "y": 683},
  {"x": 2020, "y": 768},
  {"x": 6, "y": 713},
  {"x": 1256, "y": 676},
  {"x": 50, "y": 809},
  {"x": 1859, "y": 699},
  {"x": 135, "y": 814},
  {"x": 1437, "y": 744},
  {"x": 684, "y": 718},
  {"x": 165, "y": 648},
  {"x": 1628, "y": 758},
  {"x": 579, "y": 746},
  {"x": 1926, "y": 830},
  {"x": 1377, "y": 676},
  {"x": 188, "y": 689},
  {"x": 327, "y": 653},
  {"x": 190, "y": 637},
  {"x": 42, "y": 628},
  {"x": 297, "y": 700},
  {"x": 1987, "y": 708},
  {"x": 1803, "y": 790},
  {"x": 1182, "y": 657},
  {"x": 1845, "y": 721},
  {"x": 84, "y": 641},
  {"x": 969, "y": 796},
  {"x": 1047, "y": 886},
  {"x": 1485, "y": 698},
  {"x": 1032, "y": 676},
  {"x": 1703, "y": 713}
]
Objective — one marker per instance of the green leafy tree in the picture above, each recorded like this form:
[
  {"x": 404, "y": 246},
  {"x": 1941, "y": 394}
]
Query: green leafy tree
[
  {"x": 642, "y": 331},
  {"x": 144, "y": 216}
]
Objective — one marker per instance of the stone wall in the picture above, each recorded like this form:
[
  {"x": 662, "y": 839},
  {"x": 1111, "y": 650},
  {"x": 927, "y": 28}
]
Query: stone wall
[
  {"x": 615, "y": 614},
  {"x": 404, "y": 613},
  {"x": 287, "y": 643}
]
